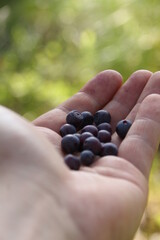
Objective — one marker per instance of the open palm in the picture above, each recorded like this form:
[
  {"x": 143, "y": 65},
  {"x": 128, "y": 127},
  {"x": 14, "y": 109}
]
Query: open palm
[
  {"x": 103, "y": 202},
  {"x": 107, "y": 200}
]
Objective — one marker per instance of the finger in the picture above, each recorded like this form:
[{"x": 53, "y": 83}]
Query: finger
[
  {"x": 142, "y": 140},
  {"x": 23, "y": 147},
  {"x": 92, "y": 97},
  {"x": 127, "y": 96},
  {"x": 52, "y": 136},
  {"x": 152, "y": 86}
]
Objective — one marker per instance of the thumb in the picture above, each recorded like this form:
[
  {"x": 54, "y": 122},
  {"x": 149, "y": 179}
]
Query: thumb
[{"x": 22, "y": 147}]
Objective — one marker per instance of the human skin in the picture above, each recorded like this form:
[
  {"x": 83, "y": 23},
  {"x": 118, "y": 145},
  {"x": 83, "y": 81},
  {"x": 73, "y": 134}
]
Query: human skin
[{"x": 42, "y": 199}]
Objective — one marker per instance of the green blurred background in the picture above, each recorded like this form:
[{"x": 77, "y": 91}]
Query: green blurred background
[{"x": 50, "y": 49}]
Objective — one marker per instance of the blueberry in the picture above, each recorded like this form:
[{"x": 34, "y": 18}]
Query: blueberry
[
  {"x": 84, "y": 136},
  {"x": 122, "y": 128},
  {"x": 105, "y": 126},
  {"x": 87, "y": 119},
  {"x": 75, "y": 118},
  {"x": 77, "y": 135},
  {"x": 87, "y": 157},
  {"x": 70, "y": 143},
  {"x": 102, "y": 116},
  {"x": 104, "y": 136},
  {"x": 67, "y": 129},
  {"x": 73, "y": 162},
  {"x": 90, "y": 128},
  {"x": 92, "y": 144},
  {"x": 109, "y": 149}
]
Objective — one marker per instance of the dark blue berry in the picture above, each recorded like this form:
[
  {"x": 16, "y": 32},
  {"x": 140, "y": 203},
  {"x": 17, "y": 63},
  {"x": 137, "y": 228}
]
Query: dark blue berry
[
  {"x": 77, "y": 135},
  {"x": 104, "y": 136},
  {"x": 67, "y": 129},
  {"x": 84, "y": 136},
  {"x": 75, "y": 118},
  {"x": 105, "y": 126},
  {"x": 90, "y": 128},
  {"x": 102, "y": 116},
  {"x": 92, "y": 144},
  {"x": 109, "y": 149},
  {"x": 122, "y": 128},
  {"x": 73, "y": 162},
  {"x": 70, "y": 143},
  {"x": 87, "y": 157},
  {"x": 87, "y": 119}
]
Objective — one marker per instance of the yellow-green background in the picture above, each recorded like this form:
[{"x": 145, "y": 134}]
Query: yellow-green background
[{"x": 50, "y": 48}]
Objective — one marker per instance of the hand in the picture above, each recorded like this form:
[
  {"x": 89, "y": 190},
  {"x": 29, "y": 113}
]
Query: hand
[
  {"x": 105, "y": 201},
  {"x": 109, "y": 198}
]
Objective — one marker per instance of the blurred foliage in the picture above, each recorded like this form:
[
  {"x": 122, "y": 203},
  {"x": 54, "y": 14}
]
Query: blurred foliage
[
  {"x": 49, "y": 49},
  {"x": 150, "y": 225}
]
